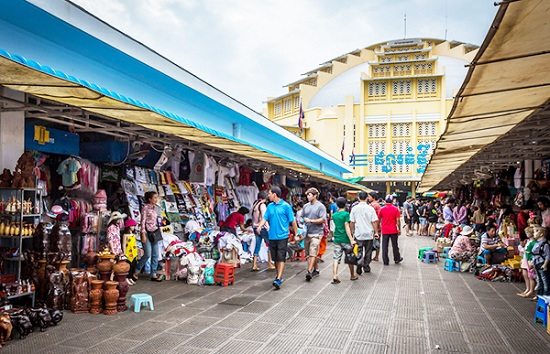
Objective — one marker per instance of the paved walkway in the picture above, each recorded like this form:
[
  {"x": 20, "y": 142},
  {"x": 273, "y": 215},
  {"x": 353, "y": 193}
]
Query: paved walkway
[{"x": 408, "y": 308}]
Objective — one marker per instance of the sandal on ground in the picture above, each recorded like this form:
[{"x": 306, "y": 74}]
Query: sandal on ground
[
  {"x": 255, "y": 269},
  {"x": 335, "y": 281},
  {"x": 354, "y": 278}
]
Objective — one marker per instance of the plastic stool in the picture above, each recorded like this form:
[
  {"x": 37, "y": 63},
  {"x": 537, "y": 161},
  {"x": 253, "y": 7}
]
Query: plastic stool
[
  {"x": 224, "y": 274},
  {"x": 541, "y": 311},
  {"x": 451, "y": 265},
  {"x": 481, "y": 260},
  {"x": 140, "y": 299},
  {"x": 422, "y": 250},
  {"x": 446, "y": 252},
  {"x": 299, "y": 256},
  {"x": 429, "y": 257}
]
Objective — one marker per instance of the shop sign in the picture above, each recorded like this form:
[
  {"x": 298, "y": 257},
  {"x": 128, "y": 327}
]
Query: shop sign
[{"x": 388, "y": 161}]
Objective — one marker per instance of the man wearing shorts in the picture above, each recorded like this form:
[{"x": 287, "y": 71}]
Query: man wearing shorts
[
  {"x": 278, "y": 216},
  {"x": 407, "y": 216},
  {"x": 315, "y": 215}
]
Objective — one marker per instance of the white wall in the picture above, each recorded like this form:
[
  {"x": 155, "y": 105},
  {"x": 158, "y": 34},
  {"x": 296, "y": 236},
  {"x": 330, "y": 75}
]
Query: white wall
[{"x": 12, "y": 132}]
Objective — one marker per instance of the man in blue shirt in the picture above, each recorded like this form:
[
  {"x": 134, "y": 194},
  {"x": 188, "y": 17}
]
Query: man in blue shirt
[{"x": 278, "y": 216}]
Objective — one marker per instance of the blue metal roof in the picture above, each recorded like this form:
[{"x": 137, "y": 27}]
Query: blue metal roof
[{"x": 43, "y": 41}]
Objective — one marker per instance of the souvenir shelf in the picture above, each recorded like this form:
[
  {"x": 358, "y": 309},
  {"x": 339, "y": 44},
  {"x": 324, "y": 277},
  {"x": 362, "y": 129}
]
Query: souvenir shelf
[{"x": 20, "y": 211}]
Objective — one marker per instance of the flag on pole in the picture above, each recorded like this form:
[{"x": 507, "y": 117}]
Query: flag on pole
[
  {"x": 352, "y": 157},
  {"x": 343, "y": 146},
  {"x": 301, "y": 118}
]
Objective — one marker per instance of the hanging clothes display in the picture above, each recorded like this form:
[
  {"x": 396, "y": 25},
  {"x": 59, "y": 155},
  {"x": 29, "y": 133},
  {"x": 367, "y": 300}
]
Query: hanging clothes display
[{"x": 198, "y": 171}]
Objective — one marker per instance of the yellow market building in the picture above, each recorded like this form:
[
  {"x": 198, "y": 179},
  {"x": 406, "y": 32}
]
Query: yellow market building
[{"x": 381, "y": 108}]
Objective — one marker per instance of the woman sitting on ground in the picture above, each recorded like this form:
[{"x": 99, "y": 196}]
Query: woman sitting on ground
[{"x": 462, "y": 249}]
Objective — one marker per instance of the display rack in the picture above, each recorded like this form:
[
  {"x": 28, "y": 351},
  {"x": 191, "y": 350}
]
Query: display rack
[{"x": 24, "y": 218}]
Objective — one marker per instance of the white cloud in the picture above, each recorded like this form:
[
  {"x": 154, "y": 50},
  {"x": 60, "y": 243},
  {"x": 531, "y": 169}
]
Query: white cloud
[{"x": 249, "y": 49}]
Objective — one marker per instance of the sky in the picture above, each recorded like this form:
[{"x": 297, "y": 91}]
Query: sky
[{"x": 249, "y": 49}]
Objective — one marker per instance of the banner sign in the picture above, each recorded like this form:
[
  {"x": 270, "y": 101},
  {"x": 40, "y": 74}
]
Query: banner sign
[{"x": 387, "y": 162}]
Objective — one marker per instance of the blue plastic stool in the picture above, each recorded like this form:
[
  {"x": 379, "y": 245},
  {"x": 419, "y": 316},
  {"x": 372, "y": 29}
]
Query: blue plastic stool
[
  {"x": 451, "y": 265},
  {"x": 429, "y": 257},
  {"x": 446, "y": 252},
  {"x": 481, "y": 260},
  {"x": 541, "y": 311},
  {"x": 140, "y": 299}
]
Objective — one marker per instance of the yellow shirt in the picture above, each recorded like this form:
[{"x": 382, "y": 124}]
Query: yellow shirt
[{"x": 130, "y": 247}]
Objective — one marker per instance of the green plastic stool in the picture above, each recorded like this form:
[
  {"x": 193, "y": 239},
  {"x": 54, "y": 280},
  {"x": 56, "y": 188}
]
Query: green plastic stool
[
  {"x": 140, "y": 299},
  {"x": 422, "y": 250}
]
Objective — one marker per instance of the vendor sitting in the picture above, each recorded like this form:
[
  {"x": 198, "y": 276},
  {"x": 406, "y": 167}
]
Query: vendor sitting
[
  {"x": 462, "y": 249},
  {"x": 234, "y": 220},
  {"x": 295, "y": 243},
  {"x": 491, "y": 244}
]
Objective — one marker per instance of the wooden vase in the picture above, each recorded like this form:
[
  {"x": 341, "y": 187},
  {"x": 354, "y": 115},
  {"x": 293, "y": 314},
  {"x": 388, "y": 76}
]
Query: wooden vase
[
  {"x": 96, "y": 296},
  {"x": 111, "y": 296}
]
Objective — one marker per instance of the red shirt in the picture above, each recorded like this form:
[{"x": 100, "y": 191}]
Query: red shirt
[
  {"x": 233, "y": 220},
  {"x": 388, "y": 216}
]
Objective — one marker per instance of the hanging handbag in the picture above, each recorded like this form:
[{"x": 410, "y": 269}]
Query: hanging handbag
[{"x": 154, "y": 236}]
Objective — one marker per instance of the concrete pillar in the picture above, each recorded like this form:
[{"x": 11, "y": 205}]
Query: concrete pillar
[
  {"x": 388, "y": 188},
  {"x": 12, "y": 131},
  {"x": 413, "y": 189}
]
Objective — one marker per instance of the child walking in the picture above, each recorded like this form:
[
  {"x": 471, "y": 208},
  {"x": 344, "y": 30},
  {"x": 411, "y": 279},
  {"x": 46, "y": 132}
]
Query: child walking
[
  {"x": 342, "y": 239},
  {"x": 129, "y": 245}
]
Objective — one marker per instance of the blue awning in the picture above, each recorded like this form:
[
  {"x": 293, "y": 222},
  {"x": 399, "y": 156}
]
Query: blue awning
[{"x": 86, "y": 72}]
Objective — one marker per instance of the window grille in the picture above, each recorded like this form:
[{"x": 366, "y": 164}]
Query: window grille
[
  {"x": 374, "y": 147},
  {"x": 401, "y": 129},
  {"x": 377, "y": 130},
  {"x": 287, "y": 105},
  {"x": 427, "y": 86},
  {"x": 296, "y": 102},
  {"x": 277, "y": 108},
  {"x": 426, "y": 128},
  {"x": 402, "y": 87},
  {"x": 400, "y": 147}
]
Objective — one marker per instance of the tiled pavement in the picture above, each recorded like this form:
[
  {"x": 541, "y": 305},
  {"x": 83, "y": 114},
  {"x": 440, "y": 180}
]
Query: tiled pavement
[{"x": 409, "y": 308}]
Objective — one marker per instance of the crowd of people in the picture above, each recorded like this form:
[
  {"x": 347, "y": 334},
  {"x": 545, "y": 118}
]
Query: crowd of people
[
  {"x": 361, "y": 228},
  {"x": 488, "y": 231},
  {"x": 356, "y": 230}
]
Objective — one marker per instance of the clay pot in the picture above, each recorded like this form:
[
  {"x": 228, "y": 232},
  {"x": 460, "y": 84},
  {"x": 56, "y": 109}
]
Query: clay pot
[
  {"x": 121, "y": 269},
  {"x": 111, "y": 296},
  {"x": 105, "y": 267},
  {"x": 79, "y": 291},
  {"x": 90, "y": 258},
  {"x": 96, "y": 295}
]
